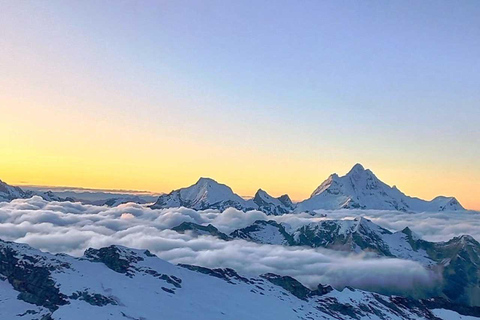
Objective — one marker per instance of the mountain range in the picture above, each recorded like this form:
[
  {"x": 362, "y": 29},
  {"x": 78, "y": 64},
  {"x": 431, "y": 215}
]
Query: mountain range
[
  {"x": 458, "y": 260},
  {"x": 99, "y": 198},
  {"x": 358, "y": 189}
]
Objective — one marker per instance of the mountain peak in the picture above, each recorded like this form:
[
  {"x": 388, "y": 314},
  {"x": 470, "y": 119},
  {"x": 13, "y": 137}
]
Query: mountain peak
[
  {"x": 356, "y": 168},
  {"x": 285, "y": 199},
  {"x": 272, "y": 205},
  {"x": 360, "y": 188},
  {"x": 204, "y": 181},
  {"x": 261, "y": 192}
]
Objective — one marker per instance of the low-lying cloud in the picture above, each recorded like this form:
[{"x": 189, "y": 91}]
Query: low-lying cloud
[{"x": 72, "y": 228}]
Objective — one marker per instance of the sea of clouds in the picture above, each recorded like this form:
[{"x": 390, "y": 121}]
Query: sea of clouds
[{"x": 65, "y": 227}]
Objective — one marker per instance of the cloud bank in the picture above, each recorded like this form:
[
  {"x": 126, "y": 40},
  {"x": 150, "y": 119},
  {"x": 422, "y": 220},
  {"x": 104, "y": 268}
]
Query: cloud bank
[{"x": 72, "y": 227}]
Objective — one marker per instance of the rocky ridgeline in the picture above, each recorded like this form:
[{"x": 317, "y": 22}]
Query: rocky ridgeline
[{"x": 121, "y": 283}]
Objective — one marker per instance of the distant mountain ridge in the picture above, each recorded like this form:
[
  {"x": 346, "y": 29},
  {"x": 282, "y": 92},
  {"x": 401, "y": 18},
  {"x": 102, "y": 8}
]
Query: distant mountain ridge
[
  {"x": 358, "y": 189},
  {"x": 9, "y": 193}
]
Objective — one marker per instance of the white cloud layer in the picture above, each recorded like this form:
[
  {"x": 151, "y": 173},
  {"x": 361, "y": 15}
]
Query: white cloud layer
[{"x": 72, "y": 227}]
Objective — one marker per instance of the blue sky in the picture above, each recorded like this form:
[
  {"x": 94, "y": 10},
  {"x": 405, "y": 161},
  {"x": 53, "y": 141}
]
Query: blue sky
[{"x": 308, "y": 85}]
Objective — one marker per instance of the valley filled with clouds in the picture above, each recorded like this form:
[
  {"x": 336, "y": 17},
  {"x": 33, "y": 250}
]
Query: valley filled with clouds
[{"x": 66, "y": 227}]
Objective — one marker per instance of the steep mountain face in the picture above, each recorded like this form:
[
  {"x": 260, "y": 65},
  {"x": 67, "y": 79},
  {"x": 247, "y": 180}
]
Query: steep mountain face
[
  {"x": 361, "y": 189},
  {"x": 460, "y": 260},
  {"x": 347, "y": 235},
  {"x": 271, "y": 205},
  {"x": 121, "y": 283},
  {"x": 209, "y": 194}
]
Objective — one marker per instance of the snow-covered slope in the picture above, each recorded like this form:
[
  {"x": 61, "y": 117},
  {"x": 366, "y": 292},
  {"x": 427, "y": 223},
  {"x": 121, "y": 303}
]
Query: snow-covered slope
[
  {"x": 8, "y": 192},
  {"x": 209, "y": 194},
  {"x": 205, "y": 194},
  {"x": 361, "y": 189},
  {"x": 121, "y": 283}
]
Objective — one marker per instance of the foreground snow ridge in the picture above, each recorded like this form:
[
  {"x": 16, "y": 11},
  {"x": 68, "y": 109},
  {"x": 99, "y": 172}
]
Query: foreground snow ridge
[{"x": 121, "y": 283}]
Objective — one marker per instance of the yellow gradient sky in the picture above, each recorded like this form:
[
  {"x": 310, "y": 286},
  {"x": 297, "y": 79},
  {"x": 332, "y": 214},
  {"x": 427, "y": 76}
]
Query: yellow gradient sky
[{"x": 153, "y": 97}]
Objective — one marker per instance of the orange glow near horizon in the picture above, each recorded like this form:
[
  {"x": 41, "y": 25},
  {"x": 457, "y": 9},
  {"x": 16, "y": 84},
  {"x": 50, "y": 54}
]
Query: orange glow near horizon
[
  {"x": 154, "y": 97},
  {"x": 93, "y": 153},
  {"x": 100, "y": 155}
]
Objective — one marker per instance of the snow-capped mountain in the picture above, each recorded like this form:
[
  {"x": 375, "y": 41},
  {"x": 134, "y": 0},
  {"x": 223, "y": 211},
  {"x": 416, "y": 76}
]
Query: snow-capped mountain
[
  {"x": 361, "y": 189},
  {"x": 358, "y": 189},
  {"x": 205, "y": 194},
  {"x": 209, "y": 194},
  {"x": 107, "y": 283}
]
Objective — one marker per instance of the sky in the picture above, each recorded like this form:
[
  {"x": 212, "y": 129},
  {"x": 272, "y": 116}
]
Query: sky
[{"x": 151, "y": 95}]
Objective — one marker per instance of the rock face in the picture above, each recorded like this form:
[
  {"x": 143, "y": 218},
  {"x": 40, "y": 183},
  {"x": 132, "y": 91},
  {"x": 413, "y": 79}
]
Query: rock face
[
  {"x": 271, "y": 205},
  {"x": 460, "y": 261},
  {"x": 121, "y": 283},
  {"x": 198, "y": 230},
  {"x": 33, "y": 280},
  {"x": 267, "y": 232},
  {"x": 361, "y": 189},
  {"x": 347, "y": 235}
]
